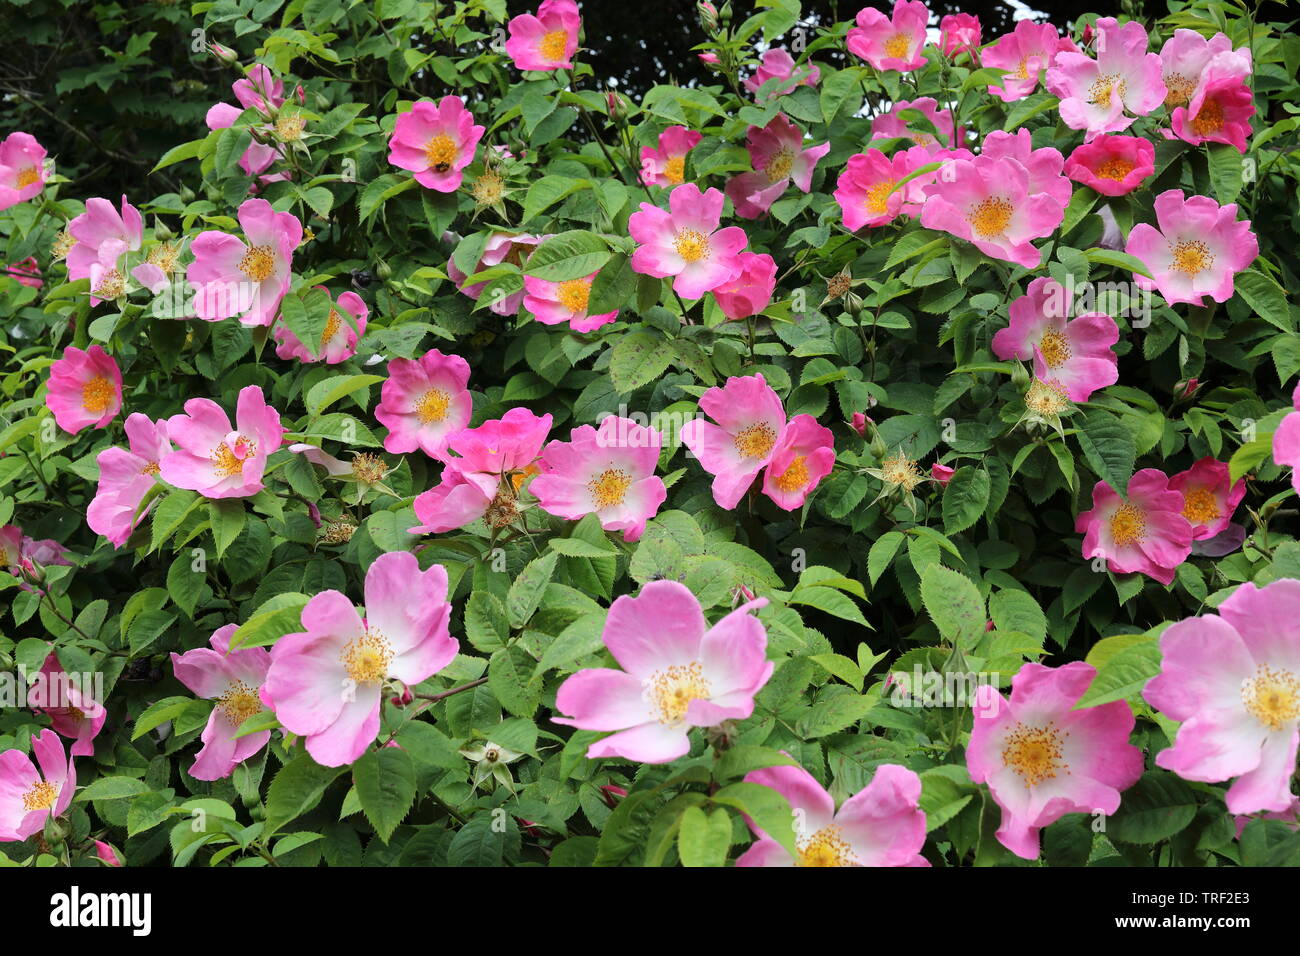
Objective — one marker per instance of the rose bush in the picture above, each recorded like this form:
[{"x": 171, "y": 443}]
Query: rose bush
[{"x": 883, "y": 454}]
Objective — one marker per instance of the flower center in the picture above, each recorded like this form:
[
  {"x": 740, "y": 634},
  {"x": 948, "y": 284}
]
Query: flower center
[
  {"x": 675, "y": 169},
  {"x": 366, "y": 658},
  {"x": 877, "y": 200},
  {"x": 1208, "y": 119},
  {"x": 440, "y": 152},
  {"x": 991, "y": 216},
  {"x": 901, "y": 471},
  {"x": 609, "y": 488},
  {"x": 755, "y": 441},
  {"x": 1272, "y": 697},
  {"x": 1180, "y": 90},
  {"x": 1116, "y": 169},
  {"x": 111, "y": 285},
  {"x": 898, "y": 45},
  {"x": 432, "y": 406},
  {"x": 670, "y": 691},
  {"x": 164, "y": 256},
  {"x": 1022, "y": 73},
  {"x": 573, "y": 295},
  {"x": 151, "y": 468},
  {"x": 779, "y": 166},
  {"x": 41, "y": 796},
  {"x": 691, "y": 245},
  {"x": 1034, "y": 753},
  {"x": 97, "y": 394},
  {"x": 1102, "y": 87},
  {"x": 226, "y": 463},
  {"x": 290, "y": 126},
  {"x": 795, "y": 476},
  {"x": 1128, "y": 525},
  {"x": 488, "y": 188},
  {"x": 332, "y": 325},
  {"x": 368, "y": 468},
  {"x": 1200, "y": 506},
  {"x": 552, "y": 46},
  {"x": 27, "y": 176},
  {"x": 501, "y": 511},
  {"x": 1046, "y": 399},
  {"x": 62, "y": 245},
  {"x": 1192, "y": 257},
  {"x": 826, "y": 847},
  {"x": 257, "y": 263},
  {"x": 239, "y": 702},
  {"x": 1055, "y": 348}
]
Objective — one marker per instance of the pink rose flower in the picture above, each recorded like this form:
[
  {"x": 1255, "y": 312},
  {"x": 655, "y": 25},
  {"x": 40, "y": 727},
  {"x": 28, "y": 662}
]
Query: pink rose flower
[
  {"x": 1210, "y": 497},
  {"x": 245, "y": 279},
  {"x": 1112, "y": 165},
  {"x": 1042, "y": 759},
  {"x": 1233, "y": 681},
  {"x": 677, "y": 673},
  {"x": 1220, "y": 108},
  {"x": 73, "y": 713},
  {"x": 751, "y": 291},
  {"x": 501, "y": 247},
  {"x": 29, "y": 797},
  {"x": 103, "y": 235},
  {"x": 1147, "y": 533},
  {"x": 25, "y": 272},
  {"x": 233, "y": 679},
  {"x": 261, "y": 90},
  {"x": 608, "y": 472},
  {"x": 84, "y": 388},
  {"x": 892, "y": 124},
  {"x": 483, "y": 479},
  {"x": 891, "y": 43},
  {"x": 21, "y": 554},
  {"x": 22, "y": 169},
  {"x": 942, "y": 473},
  {"x": 866, "y": 190},
  {"x": 1196, "y": 251},
  {"x": 777, "y": 63},
  {"x": 125, "y": 477},
  {"x": 777, "y": 154},
  {"x": 555, "y": 303},
  {"x": 546, "y": 41},
  {"x": 1185, "y": 56},
  {"x": 1096, "y": 93},
  {"x": 686, "y": 243},
  {"x": 881, "y": 825},
  {"x": 1024, "y": 53},
  {"x": 258, "y": 157},
  {"x": 216, "y": 460},
  {"x": 859, "y": 424},
  {"x": 1286, "y": 440},
  {"x": 959, "y": 33},
  {"x": 666, "y": 165},
  {"x": 105, "y": 853},
  {"x": 424, "y": 402},
  {"x": 1043, "y": 165},
  {"x": 326, "y": 682},
  {"x": 752, "y": 434},
  {"x": 436, "y": 142},
  {"x": 1076, "y": 353},
  {"x": 338, "y": 342}
]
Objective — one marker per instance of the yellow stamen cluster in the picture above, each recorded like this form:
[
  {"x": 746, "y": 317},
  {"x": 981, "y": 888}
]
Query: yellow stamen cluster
[
  {"x": 1055, "y": 348},
  {"x": 898, "y": 45},
  {"x": 1191, "y": 257},
  {"x": 826, "y": 847},
  {"x": 41, "y": 796},
  {"x": 780, "y": 165},
  {"x": 112, "y": 285},
  {"x": 27, "y": 176},
  {"x": 901, "y": 471},
  {"x": 1102, "y": 87},
  {"x": 755, "y": 441},
  {"x": 258, "y": 262},
  {"x": 164, "y": 256},
  {"x": 1128, "y": 525},
  {"x": 488, "y": 188},
  {"x": 332, "y": 326},
  {"x": 239, "y": 702},
  {"x": 289, "y": 127},
  {"x": 226, "y": 463},
  {"x": 440, "y": 152},
  {"x": 337, "y": 532},
  {"x": 151, "y": 469},
  {"x": 670, "y": 691},
  {"x": 366, "y": 658},
  {"x": 1115, "y": 169},
  {"x": 1272, "y": 697},
  {"x": 97, "y": 394},
  {"x": 552, "y": 46},
  {"x": 368, "y": 468},
  {"x": 431, "y": 407},
  {"x": 877, "y": 201},
  {"x": 573, "y": 295},
  {"x": 1208, "y": 119},
  {"x": 62, "y": 245},
  {"x": 1035, "y": 753},
  {"x": 991, "y": 216},
  {"x": 609, "y": 488},
  {"x": 795, "y": 477},
  {"x": 1200, "y": 506},
  {"x": 1179, "y": 90},
  {"x": 1046, "y": 399},
  {"x": 675, "y": 169},
  {"x": 691, "y": 245}
]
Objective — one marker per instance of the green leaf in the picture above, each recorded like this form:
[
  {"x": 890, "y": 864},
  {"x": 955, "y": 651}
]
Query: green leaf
[
  {"x": 227, "y": 516},
  {"x": 1155, "y": 808},
  {"x": 296, "y": 789},
  {"x": 638, "y": 358},
  {"x": 764, "y": 806},
  {"x": 965, "y": 499},
  {"x": 703, "y": 839},
  {"x": 1265, "y": 297},
  {"x": 113, "y": 788},
  {"x": 385, "y": 782},
  {"x": 527, "y": 590},
  {"x": 834, "y": 714},
  {"x": 954, "y": 604},
  {"x": 1120, "y": 260},
  {"x": 330, "y": 390},
  {"x": 1109, "y": 448},
  {"x": 1124, "y": 665}
]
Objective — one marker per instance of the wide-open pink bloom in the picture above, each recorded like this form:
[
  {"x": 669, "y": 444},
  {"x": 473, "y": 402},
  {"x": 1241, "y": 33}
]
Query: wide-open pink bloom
[
  {"x": 803, "y": 456},
  {"x": 894, "y": 124},
  {"x": 125, "y": 477},
  {"x": 216, "y": 460},
  {"x": 546, "y": 41},
  {"x": 22, "y": 168},
  {"x": 1220, "y": 108},
  {"x": 751, "y": 291},
  {"x": 29, "y": 797},
  {"x": 1286, "y": 440},
  {"x": 1147, "y": 533},
  {"x": 424, "y": 402},
  {"x": 436, "y": 142},
  {"x": 677, "y": 673},
  {"x": 1233, "y": 680},
  {"x": 491, "y": 465},
  {"x": 1095, "y": 94},
  {"x": 338, "y": 342},
  {"x": 1112, "y": 165},
  {"x": 1043, "y": 165},
  {"x": 73, "y": 711},
  {"x": 1042, "y": 759},
  {"x": 245, "y": 279},
  {"x": 1210, "y": 497},
  {"x": 554, "y": 303},
  {"x": 777, "y": 63},
  {"x": 881, "y": 825},
  {"x": 866, "y": 190},
  {"x": 233, "y": 679},
  {"x": 326, "y": 682},
  {"x": 84, "y": 388},
  {"x": 686, "y": 243},
  {"x": 891, "y": 43},
  {"x": 1185, "y": 56},
  {"x": 666, "y": 164},
  {"x": 1024, "y": 53},
  {"x": 959, "y": 33},
  {"x": 608, "y": 472},
  {"x": 103, "y": 234},
  {"x": 1196, "y": 251},
  {"x": 987, "y": 201},
  {"x": 777, "y": 153},
  {"x": 500, "y": 247},
  {"x": 1076, "y": 352}
]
